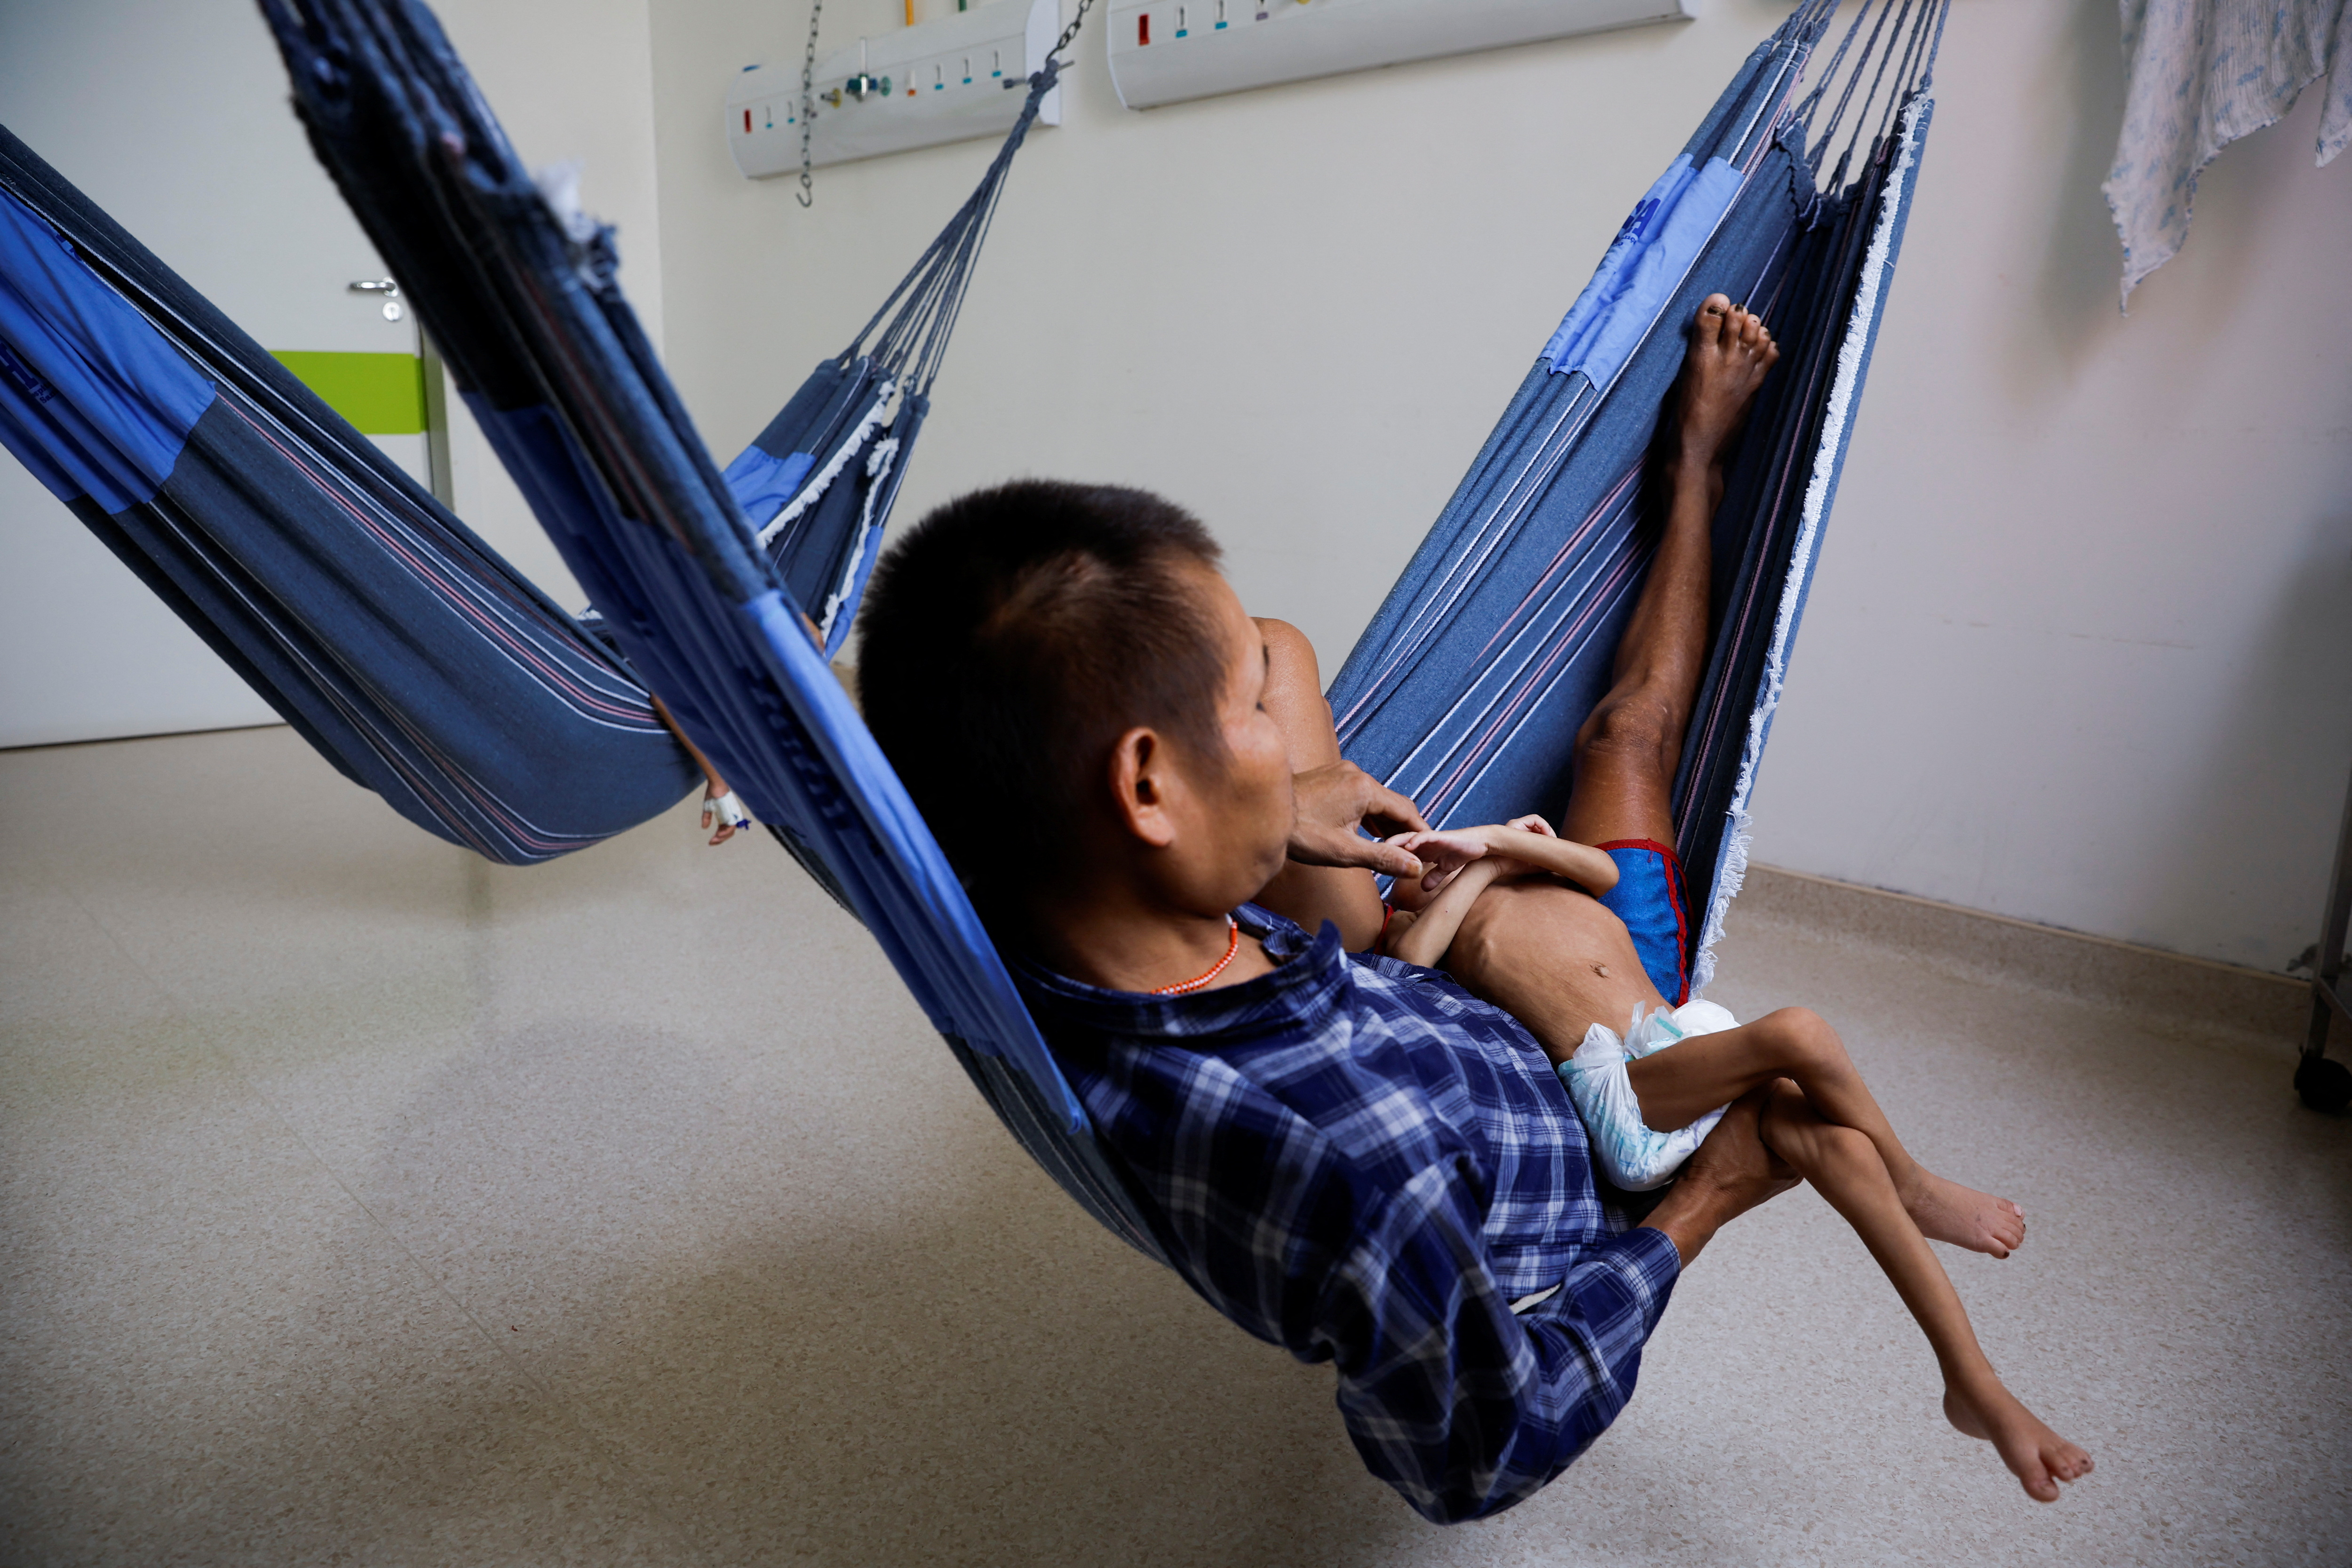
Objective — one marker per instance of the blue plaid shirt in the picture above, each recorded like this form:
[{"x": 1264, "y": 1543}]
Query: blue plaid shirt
[{"x": 1359, "y": 1162}]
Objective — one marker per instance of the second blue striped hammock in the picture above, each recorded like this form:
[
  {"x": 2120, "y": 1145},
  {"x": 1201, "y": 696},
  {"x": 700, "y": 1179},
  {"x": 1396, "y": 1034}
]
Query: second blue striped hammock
[
  {"x": 1469, "y": 685},
  {"x": 393, "y": 640}
]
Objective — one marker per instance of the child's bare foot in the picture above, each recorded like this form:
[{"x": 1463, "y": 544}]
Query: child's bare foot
[
  {"x": 1729, "y": 353},
  {"x": 1946, "y": 1211},
  {"x": 2038, "y": 1456}
]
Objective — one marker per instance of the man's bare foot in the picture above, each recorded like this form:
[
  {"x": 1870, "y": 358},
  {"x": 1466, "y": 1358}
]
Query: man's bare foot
[
  {"x": 1946, "y": 1211},
  {"x": 1729, "y": 353},
  {"x": 2038, "y": 1456}
]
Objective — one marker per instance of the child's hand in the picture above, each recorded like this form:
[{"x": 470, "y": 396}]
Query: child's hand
[
  {"x": 1443, "y": 853},
  {"x": 1509, "y": 865},
  {"x": 1446, "y": 853},
  {"x": 1511, "y": 868}
]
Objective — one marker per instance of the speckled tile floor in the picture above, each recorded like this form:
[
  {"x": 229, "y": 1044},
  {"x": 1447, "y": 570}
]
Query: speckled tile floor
[{"x": 361, "y": 1203}]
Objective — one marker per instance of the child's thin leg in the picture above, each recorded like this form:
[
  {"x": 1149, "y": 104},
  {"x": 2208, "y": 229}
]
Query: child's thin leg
[
  {"x": 1678, "y": 1086},
  {"x": 1843, "y": 1166}
]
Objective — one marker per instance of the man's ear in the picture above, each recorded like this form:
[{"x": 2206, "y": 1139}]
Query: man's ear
[{"x": 1140, "y": 785}]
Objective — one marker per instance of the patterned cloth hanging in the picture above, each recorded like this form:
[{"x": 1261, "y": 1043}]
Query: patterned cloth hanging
[{"x": 2204, "y": 73}]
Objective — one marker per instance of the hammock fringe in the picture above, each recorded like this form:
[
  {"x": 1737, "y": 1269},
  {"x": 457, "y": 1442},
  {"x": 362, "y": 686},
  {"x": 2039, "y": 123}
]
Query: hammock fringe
[{"x": 1829, "y": 462}]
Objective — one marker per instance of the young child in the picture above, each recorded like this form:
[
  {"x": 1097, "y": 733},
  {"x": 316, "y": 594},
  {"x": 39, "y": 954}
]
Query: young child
[{"x": 1648, "y": 1107}]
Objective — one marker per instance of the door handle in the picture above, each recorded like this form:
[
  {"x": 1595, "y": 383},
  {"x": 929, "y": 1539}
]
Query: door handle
[{"x": 383, "y": 286}]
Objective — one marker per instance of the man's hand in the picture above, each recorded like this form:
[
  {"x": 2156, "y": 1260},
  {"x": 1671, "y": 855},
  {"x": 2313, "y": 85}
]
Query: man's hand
[
  {"x": 1732, "y": 1173},
  {"x": 1332, "y": 803}
]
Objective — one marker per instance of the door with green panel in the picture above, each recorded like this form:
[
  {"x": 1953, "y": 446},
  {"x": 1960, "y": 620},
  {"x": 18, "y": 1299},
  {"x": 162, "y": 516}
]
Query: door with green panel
[
  {"x": 386, "y": 392},
  {"x": 174, "y": 119}
]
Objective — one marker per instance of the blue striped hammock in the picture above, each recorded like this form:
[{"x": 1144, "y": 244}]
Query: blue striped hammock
[
  {"x": 395, "y": 641},
  {"x": 1466, "y": 691},
  {"x": 1470, "y": 683}
]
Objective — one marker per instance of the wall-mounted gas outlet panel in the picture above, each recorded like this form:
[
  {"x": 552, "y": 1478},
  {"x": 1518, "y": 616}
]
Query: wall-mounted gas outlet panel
[
  {"x": 950, "y": 80},
  {"x": 1165, "y": 51}
]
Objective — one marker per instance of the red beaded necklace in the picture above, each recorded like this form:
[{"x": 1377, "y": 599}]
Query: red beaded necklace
[{"x": 1233, "y": 946}]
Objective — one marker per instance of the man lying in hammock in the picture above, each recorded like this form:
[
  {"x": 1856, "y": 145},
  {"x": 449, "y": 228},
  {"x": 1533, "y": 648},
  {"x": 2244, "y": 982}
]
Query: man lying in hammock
[{"x": 1354, "y": 1158}]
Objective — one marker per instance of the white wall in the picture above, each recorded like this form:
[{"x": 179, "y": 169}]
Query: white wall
[
  {"x": 2078, "y": 650},
  {"x": 173, "y": 115},
  {"x": 2081, "y": 649}
]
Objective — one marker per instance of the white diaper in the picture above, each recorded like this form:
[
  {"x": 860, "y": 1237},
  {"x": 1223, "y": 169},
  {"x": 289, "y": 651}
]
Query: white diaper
[{"x": 1634, "y": 1157}]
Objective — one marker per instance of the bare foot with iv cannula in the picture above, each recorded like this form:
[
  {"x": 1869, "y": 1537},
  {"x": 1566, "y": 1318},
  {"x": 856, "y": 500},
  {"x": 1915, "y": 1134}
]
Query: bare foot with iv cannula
[
  {"x": 1574, "y": 981},
  {"x": 722, "y": 807},
  {"x": 718, "y": 803}
]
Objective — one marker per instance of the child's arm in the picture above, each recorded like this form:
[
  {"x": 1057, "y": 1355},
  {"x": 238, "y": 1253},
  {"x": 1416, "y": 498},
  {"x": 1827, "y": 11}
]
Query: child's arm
[
  {"x": 1527, "y": 839},
  {"x": 1422, "y": 936},
  {"x": 1464, "y": 862},
  {"x": 1531, "y": 839}
]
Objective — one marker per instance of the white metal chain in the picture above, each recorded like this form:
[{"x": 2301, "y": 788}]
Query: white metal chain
[{"x": 808, "y": 108}]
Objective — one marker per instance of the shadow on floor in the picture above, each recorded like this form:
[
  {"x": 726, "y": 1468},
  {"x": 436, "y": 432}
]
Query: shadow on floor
[{"x": 956, "y": 1367}]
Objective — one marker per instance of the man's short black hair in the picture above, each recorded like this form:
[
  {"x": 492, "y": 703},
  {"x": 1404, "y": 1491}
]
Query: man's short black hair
[{"x": 1010, "y": 638}]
